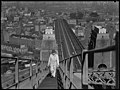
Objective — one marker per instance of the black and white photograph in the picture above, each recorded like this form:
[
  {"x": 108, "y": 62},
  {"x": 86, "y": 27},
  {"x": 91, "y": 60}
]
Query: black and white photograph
[{"x": 60, "y": 45}]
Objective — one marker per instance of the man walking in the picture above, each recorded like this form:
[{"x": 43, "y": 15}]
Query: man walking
[{"x": 53, "y": 62}]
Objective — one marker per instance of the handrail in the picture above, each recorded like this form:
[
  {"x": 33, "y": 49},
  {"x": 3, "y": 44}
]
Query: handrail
[
  {"x": 117, "y": 59},
  {"x": 25, "y": 79},
  {"x": 17, "y": 81},
  {"x": 20, "y": 81},
  {"x": 71, "y": 57},
  {"x": 98, "y": 50},
  {"x": 11, "y": 86},
  {"x": 69, "y": 79},
  {"x": 8, "y": 58},
  {"x": 105, "y": 49}
]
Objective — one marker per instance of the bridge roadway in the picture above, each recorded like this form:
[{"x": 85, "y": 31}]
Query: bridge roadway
[{"x": 68, "y": 42}]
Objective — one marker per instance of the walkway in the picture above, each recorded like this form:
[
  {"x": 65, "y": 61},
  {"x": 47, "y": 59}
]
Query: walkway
[{"x": 48, "y": 83}]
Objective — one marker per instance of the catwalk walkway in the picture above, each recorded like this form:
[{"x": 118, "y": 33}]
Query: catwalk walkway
[{"x": 48, "y": 83}]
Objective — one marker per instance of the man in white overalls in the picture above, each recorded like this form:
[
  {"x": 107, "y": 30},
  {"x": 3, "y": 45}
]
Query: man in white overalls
[{"x": 53, "y": 62}]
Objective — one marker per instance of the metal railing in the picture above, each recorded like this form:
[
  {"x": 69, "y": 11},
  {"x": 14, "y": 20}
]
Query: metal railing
[
  {"x": 17, "y": 76},
  {"x": 17, "y": 81},
  {"x": 64, "y": 67}
]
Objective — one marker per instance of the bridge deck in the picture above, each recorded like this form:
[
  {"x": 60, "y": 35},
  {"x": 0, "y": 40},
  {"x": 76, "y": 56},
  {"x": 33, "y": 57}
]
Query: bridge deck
[{"x": 48, "y": 83}]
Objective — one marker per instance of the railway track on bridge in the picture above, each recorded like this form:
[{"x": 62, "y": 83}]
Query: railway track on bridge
[{"x": 70, "y": 44}]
